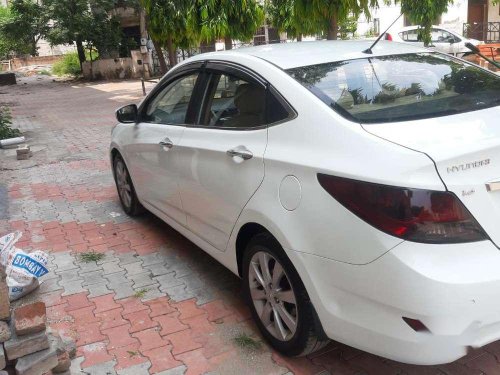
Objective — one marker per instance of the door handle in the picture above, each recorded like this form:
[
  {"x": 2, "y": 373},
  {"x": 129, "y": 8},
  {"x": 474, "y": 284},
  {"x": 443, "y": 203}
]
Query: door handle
[
  {"x": 166, "y": 143},
  {"x": 240, "y": 151}
]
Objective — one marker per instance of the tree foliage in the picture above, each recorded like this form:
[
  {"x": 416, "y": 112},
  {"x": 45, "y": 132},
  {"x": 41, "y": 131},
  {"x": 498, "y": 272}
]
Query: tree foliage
[
  {"x": 424, "y": 13},
  {"x": 87, "y": 22},
  {"x": 226, "y": 19},
  {"x": 24, "y": 25},
  {"x": 326, "y": 15}
]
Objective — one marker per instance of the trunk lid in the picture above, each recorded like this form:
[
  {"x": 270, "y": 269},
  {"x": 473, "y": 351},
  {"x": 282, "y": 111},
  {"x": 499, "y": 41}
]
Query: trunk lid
[{"x": 466, "y": 151}]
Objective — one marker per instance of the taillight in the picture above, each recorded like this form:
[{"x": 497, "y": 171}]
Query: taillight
[
  {"x": 388, "y": 37},
  {"x": 412, "y": 214}
]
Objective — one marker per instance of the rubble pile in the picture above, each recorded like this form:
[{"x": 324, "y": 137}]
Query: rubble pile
[{"x": 27, "y": 346}]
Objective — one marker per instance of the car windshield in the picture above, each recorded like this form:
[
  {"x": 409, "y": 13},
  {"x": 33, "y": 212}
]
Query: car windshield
[{"x": 400, "y": 87}]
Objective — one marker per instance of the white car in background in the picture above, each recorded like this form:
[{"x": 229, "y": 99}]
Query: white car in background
[
  {"x": 357, "y": 194},
  {"x": 443, "y": 40}
]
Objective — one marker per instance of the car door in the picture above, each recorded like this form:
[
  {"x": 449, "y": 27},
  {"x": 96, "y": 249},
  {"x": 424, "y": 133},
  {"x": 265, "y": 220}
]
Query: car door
[
  {"x": 152, "y": 150},
  {"x": 222, "y": 157}
]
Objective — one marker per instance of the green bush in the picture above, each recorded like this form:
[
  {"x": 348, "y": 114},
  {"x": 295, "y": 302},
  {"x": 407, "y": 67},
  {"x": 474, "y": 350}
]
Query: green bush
[
  {"x": 5, "y": 121},
  {"x": 68, "y": 65}
]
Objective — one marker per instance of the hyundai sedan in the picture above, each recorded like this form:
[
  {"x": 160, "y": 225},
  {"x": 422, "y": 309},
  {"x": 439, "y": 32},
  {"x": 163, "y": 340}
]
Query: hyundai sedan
[{"x": 356, "y": 194}]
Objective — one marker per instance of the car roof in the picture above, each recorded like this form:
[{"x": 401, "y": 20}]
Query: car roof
[{"x": 296, "y": 54}]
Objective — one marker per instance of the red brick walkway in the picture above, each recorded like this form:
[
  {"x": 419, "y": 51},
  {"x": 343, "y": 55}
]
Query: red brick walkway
[{"x": 155, "y": 303}]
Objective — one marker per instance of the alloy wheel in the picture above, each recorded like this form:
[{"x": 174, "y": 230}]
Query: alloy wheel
[
  {"x": 122, "y": 182},
  {"x": 273, "y": 296}
]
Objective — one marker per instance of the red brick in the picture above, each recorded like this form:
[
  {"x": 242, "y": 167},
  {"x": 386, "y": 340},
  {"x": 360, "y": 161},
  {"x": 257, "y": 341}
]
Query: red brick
[
  {"x": 85, "y": 315},
  {"x": 200, "y": 325},
  {"x": 94, "y": 354},
  {"x": 188, "y": 309},
  {"x": 65, "y": 329},
  {"x": 486, "y": 363},
  {"x": 57, "y": 312},
  {"x": 150, "y": 339},
  {"x": 161, "y": 359},
  {"x": 30, "y": 318},
  {"x": 128, "y": 356},
  {"x": 140, "y": 321},
  {"x": 216, "y": 310},
  {"x": 195, "y": 362},
  {"x": 131, "y": 305},
  {"x": 300, "y": 365},
  {"x": 104, "y": 303},
  {"x": 160, "y": 306},
  {"x": 89, "y": 334},
  {"x": 111, "y": 318},
  {"x": 77, "y": 301},
  {"x": 183, "y": 341},
  {"x": 170, "y": 323},
  {"x": 119, "y": 337}
]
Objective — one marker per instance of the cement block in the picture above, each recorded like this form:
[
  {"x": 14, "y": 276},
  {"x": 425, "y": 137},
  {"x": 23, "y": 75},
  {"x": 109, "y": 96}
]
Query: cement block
[
  {"x": 38, "y": 363},
  {"x": 20, "y": 346}
]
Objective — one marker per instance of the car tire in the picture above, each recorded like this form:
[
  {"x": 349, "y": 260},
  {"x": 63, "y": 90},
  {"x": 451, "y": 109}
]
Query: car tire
[
  {"x": 265, "y": 303},
  {"x": 126, "y": 191}
]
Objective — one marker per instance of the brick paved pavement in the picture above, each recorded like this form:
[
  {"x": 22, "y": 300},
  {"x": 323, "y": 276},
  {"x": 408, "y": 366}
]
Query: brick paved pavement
[{"x": 155, "y": 303}]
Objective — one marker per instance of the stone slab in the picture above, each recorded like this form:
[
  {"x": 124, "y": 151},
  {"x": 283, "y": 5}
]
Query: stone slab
[
  {"x": 38, "y": 363},
  {"x": 4, "y": 332},
  {"x": 3, "y": 361},
  {"x": 23, "y": 345}
]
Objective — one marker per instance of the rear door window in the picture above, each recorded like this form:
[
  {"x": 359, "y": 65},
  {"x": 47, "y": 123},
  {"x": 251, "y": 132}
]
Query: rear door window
[{"x": 400, "y": 87}]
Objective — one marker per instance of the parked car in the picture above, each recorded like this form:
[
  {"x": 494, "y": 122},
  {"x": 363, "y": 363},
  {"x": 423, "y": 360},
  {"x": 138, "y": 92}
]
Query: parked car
[
  {"x": 355, "y": 194},
  {"x": 443, "y": 40}
]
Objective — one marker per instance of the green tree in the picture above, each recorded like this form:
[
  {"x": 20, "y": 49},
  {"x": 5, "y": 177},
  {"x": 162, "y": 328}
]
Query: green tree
[
  {"x": 327, "y": 15},
  {"x": 424, "y": 13},
  {"x": 8, "y": 45},
  {"x": 167, "y": 24},
  {"x": 25, "y": 25},
  {"x": 85, "y": 22},
  {"x": 226, "y": 19},
  {"x": 282, "y": 15}
]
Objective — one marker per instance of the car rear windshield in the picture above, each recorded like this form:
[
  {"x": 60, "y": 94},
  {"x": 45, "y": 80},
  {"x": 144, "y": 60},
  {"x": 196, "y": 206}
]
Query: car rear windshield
[{"x": 400, "y": 87}]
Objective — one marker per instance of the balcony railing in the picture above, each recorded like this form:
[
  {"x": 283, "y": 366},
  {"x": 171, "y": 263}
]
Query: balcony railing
[{"x": 489, "y": 32}]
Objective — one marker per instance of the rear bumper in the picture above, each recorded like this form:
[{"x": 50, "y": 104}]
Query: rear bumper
[{"x": 453, "y": 289}]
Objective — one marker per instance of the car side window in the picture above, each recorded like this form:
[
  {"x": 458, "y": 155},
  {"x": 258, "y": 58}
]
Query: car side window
[
  {"x": 233, "y": 102},
  {"x": 171, "y": 104},
  {"x": 409, "y": 36},
  {"x": 441, "y": 36}
]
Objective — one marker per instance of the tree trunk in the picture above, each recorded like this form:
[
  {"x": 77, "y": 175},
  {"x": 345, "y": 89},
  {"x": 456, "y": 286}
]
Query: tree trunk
[
  {"x": 161, "y": 57},
  {"x": 299, "y": 38},
  {"x": 34, "y": 49},
  {"x": 81, "y": 51},
  {"x": 228, "y": 43},
  {"x": 333, "y": 28},
  {"x": 172, "y": 53}
]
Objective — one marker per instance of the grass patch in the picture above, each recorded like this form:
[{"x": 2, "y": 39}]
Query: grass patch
[
  {"x": 140, "y": 293},
  {"x": 246, "y": 342},
  {"x": 91, "y": 256},
  {"x": 68, "y": 65},
  {"x": 6, "y": 131},
  {"x": 132, "y": 353}
]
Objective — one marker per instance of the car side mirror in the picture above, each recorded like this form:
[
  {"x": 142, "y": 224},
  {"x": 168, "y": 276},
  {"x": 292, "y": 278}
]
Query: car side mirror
[{"x": 127, "y": 114}]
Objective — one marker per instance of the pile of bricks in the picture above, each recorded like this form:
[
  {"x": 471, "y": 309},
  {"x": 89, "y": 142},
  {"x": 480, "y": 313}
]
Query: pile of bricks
[{"x": 27, "y": 347}]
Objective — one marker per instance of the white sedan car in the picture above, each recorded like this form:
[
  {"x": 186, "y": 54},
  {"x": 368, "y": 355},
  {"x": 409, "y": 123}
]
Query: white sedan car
[
  {"x": 443, "y": 40},
  {"x": 356, "y": 195}
]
